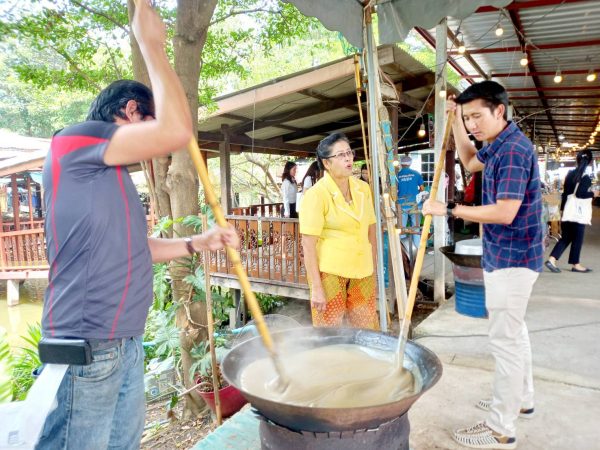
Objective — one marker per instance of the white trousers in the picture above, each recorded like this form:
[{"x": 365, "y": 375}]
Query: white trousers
[{"x": 507, "y": 293}]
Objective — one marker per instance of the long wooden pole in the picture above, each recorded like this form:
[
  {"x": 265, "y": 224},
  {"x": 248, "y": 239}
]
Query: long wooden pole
[
  {"x": 414, "y": 282},
  {"x": 210, "y": 326},
  {"x": 234, "y": 258}
]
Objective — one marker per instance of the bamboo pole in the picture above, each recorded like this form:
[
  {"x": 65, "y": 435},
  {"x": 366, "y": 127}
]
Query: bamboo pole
[
  {"x": 358, "y": 84},
  {"x": 234, "y": 258},
  {"x": 210, "y": 324},
  {"x": 414, "y": 282}
]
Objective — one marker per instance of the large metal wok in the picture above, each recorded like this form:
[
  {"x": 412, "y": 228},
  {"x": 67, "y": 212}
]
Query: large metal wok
[{"x": 420, "y": 361}]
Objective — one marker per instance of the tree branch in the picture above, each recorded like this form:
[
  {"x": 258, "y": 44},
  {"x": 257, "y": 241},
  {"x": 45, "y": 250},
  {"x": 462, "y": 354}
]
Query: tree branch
[
  {"x": 241, "y": 12},
  {"x": 73, "y": 65},
  {"x": 101, "y": 14},
  {"x": 265, "y": 168}
]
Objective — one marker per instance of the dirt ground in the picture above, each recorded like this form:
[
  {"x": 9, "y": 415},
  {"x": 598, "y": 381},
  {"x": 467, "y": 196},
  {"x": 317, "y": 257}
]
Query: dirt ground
[{"x": 172, "y": 434}]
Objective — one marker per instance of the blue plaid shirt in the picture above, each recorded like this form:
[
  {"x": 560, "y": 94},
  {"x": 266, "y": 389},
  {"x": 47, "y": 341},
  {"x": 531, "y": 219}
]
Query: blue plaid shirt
[{"x": 511, "y": 173}]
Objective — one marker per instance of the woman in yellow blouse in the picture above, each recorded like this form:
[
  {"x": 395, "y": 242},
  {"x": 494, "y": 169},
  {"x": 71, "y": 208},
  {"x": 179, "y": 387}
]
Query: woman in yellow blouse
[{"x": 337, "y": 223}]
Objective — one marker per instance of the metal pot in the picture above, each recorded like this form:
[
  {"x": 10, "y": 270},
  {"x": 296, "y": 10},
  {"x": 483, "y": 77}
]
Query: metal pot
[
  {"x": 473, "y": 261},
  {"x": 419, "y": 360}
]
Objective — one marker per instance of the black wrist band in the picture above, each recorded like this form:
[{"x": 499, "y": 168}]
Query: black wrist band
[
  {"x": 189, "y": 246},
  {"x": 450, "y": 209}
]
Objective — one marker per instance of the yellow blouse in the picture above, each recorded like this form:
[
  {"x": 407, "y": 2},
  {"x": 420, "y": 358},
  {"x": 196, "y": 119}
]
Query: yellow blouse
[{"x": 343, "y": 247}]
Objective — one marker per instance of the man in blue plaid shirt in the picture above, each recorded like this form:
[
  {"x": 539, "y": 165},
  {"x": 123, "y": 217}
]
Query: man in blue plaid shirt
[{"x": 512, "y": 251}]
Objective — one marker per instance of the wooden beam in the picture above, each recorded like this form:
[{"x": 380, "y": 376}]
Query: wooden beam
[
  {"x": 536, "y": 47},
  {"x": 286, "y": 116},
  {"x": 246, "y": 141},
  {"x": 529, "y": 74},
  {"x": 418, "y": 82},
  {"x": 249, "y": 120},
  {"x": 526, "y": 5},
  {"x": 276, "y": 89},
  {"x": 555, "y": 88},
  {"x": 551, "y": 97}
]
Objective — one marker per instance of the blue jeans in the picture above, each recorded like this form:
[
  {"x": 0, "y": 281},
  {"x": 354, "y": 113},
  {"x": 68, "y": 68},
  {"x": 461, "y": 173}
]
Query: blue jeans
[
  {"x": 102, "y": 405},
  {"x": 415, "y": 221}
]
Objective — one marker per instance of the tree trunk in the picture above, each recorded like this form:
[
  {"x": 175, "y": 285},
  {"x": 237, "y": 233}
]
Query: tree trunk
[
  {"x": 193, "y": 17},
  {"x": 175, "y": 179}
]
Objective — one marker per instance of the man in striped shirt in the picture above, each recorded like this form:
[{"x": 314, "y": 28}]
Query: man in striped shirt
[{"x": 512, "y": 251}]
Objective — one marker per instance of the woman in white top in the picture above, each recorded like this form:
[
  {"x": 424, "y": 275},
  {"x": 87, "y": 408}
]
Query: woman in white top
[
  {"x": 289, "y": 190},
  {"x": 311, "y": 177}
]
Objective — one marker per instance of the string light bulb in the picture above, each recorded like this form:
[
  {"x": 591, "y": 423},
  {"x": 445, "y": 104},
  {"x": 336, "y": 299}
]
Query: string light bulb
[
  {"x": 421, "y": 133},
  {"x": 461, "y": 47},
  {"x": 499, "y": 30},
  {"x": 443, "y": 91},
  {"x": 561, "y": 137},
  {"x": 591, "y": 76},
  {"x": 558, "y": 77},
  {"x": 395, "y": 163},
  {"x": 524, "y": 60}
]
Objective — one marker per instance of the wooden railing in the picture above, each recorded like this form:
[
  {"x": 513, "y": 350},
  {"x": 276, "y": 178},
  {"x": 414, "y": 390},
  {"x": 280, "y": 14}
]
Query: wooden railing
[
  {"x": 24, "y": 224},
  {"x": 270, "y": 250},
  {"x": 23, "y": 250},
  {"x": 261, "y": 210}
]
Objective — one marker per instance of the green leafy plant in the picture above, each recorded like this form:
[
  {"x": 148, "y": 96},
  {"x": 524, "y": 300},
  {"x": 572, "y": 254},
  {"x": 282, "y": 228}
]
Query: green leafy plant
[
  {"x": 268, "y": 302},
  {"x": 25, "y": 362},
  {"x": 201, "y": 368},
  {"x": 162, "y": 332},
  {"x": 6, "y": 367}
]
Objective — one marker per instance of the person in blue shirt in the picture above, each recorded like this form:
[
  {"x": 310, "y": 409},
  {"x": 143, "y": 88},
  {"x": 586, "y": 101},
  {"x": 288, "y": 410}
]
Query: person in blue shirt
[
  {"x": 511, "y": 214},
  {"x": 410, "y": 183}
]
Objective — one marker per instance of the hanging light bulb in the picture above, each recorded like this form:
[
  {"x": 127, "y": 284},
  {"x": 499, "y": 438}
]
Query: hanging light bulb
[
  {"x": 443, "y": 91},
  {"x": 395, "y": 163},
  {"x": 499, "y": 30},
  {"x": 421, "y": 133},
  {"x": 524, "y": 60},
  {"x": 558, "y": 77},
  {"x": 591, "y": 76},
  {"x": 461, "y": 47},
  {"x": 561, "y": 137}
]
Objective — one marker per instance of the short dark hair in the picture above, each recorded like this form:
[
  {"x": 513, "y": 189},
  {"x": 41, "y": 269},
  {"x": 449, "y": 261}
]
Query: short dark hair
[
  {"x": 363, "y": 167},
  {"x": 492, "y": 94},
  {"x": 113, "y": 98},
  {"x": 324, "y": 149}
]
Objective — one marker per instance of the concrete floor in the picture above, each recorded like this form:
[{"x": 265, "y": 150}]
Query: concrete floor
[{"x": 564, "y": 323}]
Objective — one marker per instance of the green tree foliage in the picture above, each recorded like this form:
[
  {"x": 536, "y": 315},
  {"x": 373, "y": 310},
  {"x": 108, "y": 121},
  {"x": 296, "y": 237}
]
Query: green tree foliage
[
  {"x": 70, "y": 49},
  {"x": 30, "y": 111}
]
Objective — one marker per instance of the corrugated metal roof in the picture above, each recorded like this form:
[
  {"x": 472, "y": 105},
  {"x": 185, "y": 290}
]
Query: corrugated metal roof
[
  {"x": 298, "y": 112},
  {"x": 558, "y": 35}
]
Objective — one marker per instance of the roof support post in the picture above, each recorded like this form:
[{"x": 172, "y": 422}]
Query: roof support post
[
  {"x": 372, "y": 102},
  {"x": 439, "y": 223},
  {"x": 15, "y": 202},
  {"x": 225, "y": 170}
]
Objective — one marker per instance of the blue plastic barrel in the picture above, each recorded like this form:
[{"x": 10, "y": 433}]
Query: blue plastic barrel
[{"x": 470, "y": 299}]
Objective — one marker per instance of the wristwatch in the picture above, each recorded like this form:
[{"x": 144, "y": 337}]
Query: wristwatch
[
  {"x": 188, "y": 244},
  {"x": 450, "y": 209}
]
